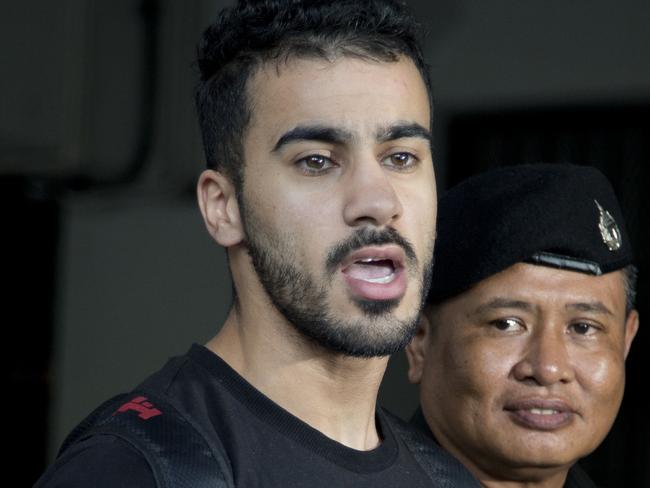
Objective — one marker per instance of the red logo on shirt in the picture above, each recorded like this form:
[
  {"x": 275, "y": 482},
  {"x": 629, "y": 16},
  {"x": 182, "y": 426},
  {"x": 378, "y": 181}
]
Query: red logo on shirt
[{"x": 140, "y": 404}]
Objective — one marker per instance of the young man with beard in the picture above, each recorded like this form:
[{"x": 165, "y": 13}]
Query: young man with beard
[
  {"x": 521, "y": 352},
  {"x": 316, "y": 120}
]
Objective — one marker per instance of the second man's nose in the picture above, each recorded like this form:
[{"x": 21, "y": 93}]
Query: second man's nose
[{"x": 546, "y": 360}]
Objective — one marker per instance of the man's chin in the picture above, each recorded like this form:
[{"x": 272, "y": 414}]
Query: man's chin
[
  {"x": 376, "y": 308},
  {"x": 365, "y": 336}
]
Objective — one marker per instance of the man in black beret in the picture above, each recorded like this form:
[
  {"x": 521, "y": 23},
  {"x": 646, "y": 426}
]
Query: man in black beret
[{"x": 521, "y": 351}]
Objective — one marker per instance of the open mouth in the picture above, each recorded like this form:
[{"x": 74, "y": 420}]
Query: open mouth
[
  {"x": 541, "y": 414},
  {"x": 372, "y": 270},
  {"x": 376, "y": 273}
]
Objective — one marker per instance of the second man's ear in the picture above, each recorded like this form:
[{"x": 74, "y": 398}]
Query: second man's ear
[
  {"x": 218, "y": 203},
  {"x": 631, "y": 328},
  {"x": 416, "y": 351}
]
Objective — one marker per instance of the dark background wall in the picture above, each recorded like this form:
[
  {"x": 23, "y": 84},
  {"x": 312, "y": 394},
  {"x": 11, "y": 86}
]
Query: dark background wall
[{"x": 106, "y": 266}]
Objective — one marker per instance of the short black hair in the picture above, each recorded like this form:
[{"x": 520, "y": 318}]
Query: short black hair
[
  {"x": 252, "y": 33},
  {"x": 630, "y": 275}
]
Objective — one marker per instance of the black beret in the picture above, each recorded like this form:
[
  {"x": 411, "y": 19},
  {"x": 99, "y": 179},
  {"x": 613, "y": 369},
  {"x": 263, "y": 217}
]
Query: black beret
[{"x": 558, "y": 215}]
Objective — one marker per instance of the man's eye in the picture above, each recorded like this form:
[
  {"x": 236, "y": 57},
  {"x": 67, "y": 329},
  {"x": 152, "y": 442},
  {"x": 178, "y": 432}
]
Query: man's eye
[
  {"x": 315, "y": 164},
  {"x": 583, "y": 328},
  {"x": 508, "y": 325},
  {"x": 401, "y": 160}
]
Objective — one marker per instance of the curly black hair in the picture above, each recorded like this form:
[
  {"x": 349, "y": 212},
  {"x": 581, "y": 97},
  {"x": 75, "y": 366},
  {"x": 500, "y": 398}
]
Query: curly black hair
[{"x": 256, "y": 32}]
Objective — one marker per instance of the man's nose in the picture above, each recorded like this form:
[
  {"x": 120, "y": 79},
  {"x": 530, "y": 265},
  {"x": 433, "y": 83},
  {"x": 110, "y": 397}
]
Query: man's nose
[
  {"x": 370, "y": 197},
  {"x": 546, "y": 359}
]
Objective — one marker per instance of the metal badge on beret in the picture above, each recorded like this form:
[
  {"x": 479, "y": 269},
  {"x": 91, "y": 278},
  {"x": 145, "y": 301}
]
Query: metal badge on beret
[{"x": 608, "y": 229}]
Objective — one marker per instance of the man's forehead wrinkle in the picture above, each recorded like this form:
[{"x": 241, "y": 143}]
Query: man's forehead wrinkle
[
  {"x": 497, "y": 303},
  {"x": 321, "y": 58},
  {"x": 289, "y": 61}
]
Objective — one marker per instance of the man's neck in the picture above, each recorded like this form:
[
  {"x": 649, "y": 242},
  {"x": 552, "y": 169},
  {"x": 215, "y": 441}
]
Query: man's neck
[
  {"x": 332, "y": 393},
  {"x": 554, "y": 481}
]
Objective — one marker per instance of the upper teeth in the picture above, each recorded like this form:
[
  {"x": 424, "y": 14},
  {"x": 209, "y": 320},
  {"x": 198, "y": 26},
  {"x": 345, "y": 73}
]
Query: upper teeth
[
  {"x": 368, "y": 260},
  {"x": 543, "y": 411}
]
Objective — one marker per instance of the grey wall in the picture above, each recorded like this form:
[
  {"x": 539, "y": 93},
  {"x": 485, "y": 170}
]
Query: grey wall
[
  {"x": 140, "y": 281},
  {"x": 513, "y": 54},
  {"x": 535, "y": 52}
]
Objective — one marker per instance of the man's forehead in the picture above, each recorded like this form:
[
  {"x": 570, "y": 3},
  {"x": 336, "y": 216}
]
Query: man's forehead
[
  {"x": 313, "y": 80},
  {"x": 527, "y": 286},
  {"x": 282, "y": 66},
  {"x": 345, "y": 101}
]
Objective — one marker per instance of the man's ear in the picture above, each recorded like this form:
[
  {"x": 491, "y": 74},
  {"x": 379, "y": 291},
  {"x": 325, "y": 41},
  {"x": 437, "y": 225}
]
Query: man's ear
[
  {"x": 631, "y": 326},
  {"x": 219, "y": 207},
  {"x": 416, "y": 351}
]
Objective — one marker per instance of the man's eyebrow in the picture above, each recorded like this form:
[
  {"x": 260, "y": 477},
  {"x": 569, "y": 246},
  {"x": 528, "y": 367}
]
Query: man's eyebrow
[
  {"x": 501, "y": 302},
  {"x": 595, "y": 306},
  {"x": 320, "y": 133},
  {"x": 402, "y": 130}
]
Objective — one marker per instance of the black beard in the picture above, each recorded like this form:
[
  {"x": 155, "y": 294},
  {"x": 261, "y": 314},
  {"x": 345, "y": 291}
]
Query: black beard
[{"x": 304, "y": 304}]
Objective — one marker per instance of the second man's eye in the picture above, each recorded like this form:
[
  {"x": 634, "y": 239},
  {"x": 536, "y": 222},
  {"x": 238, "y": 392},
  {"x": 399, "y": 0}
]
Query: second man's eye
[
  {"x": 583, "y": 328},
  {"x": 507, "y": 325}
]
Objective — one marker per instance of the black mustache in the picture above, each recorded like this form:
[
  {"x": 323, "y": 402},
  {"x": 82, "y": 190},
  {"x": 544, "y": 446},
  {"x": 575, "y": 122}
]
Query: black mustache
[{"x": 367, "y": 236}]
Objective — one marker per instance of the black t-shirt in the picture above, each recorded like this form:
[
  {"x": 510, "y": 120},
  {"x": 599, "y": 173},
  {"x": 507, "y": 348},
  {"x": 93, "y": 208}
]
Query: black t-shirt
[{"x": 266, "y": 445}]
